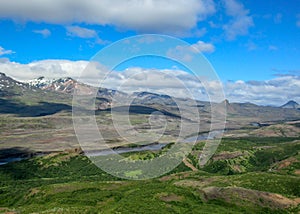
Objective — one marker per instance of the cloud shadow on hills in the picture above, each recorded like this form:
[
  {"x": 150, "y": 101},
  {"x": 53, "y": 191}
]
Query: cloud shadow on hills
[
  {"x": 15, "y": 152},
  {"x": 22, "y": 110},
  {"x": 15, "y": 171},
  {"x": 139, "y": 109}
]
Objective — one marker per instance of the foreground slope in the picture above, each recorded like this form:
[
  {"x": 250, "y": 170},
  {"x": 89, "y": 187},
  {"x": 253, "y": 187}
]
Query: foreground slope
[
  {"x": 256, "y": 168},
  {"x": 67, "y": 182}
]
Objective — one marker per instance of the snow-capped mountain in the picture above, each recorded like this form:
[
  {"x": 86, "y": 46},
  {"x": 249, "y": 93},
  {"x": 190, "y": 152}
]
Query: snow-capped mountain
[
  {"x": 64, "y": 85},
  {"x": 68, "y": 86}
]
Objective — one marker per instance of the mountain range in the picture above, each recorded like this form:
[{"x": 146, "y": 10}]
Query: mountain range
[
  {"x": 67, "y": 85},
  {"x": 42, "y": 97}
]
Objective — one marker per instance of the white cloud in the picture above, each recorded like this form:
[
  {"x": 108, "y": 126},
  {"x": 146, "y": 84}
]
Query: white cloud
[
  {"x": 234, "y": 8},
  {"x": 160, "y": 16},
  {"x": 85, "y": 33},
  {"x": 4, "y": 60},
  {"x": 240, "y": 22},
  {"x": 45, "y": 32},
  {"x": 5, "y": 52},
  {"x": 81, "y": 32},
  {"x": 173, "y": 82},
  {"x": 48, "y": 68},
  {"x": 204, "y": 47},
  {"x": 276, "y": 91},
  {"x": 187, "y": 53}
]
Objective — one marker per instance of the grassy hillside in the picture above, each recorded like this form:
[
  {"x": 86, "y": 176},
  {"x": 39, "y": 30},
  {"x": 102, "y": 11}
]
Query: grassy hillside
[{"x": 67, "y": 182}]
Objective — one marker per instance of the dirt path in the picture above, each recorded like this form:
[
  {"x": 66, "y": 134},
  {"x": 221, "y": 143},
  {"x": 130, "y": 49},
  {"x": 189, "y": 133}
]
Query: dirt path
[{"x": 188, "y": 164}]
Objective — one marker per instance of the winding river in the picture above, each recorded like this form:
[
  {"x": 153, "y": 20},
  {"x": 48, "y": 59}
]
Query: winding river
[{"x": 122, "y": 150}]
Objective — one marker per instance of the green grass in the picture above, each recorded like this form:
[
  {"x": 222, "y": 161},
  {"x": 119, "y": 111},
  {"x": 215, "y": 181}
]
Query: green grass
[
  {"x": 257, "y": 154},
  {"x": 70, "y": 183},
  {"x": 116, "y": 197},
  {"x": 247, "y": 143}
]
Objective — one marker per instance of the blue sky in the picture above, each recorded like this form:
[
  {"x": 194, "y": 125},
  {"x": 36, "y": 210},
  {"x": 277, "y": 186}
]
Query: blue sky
[{"x": 247, "y": 40}]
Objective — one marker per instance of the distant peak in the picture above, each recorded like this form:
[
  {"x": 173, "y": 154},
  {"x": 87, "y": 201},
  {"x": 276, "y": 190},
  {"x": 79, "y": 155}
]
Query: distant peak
[
  {"x": 226, "y": 102},
  {"x": 290, "y": 104},
  {"x": 41, "y": 78},
  {"x": 2, "y": 74}
]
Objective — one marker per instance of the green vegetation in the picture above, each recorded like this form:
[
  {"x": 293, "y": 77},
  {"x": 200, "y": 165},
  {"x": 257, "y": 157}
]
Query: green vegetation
[
  {"x": 251, "y": 154},
  {"x": 69, "y": 183},
  {"x": 257, "y": 170}
]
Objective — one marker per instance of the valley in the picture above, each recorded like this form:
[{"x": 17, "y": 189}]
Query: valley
[
  {"x": 255, "y": 169},
  {"x": 149, "y": 107}
]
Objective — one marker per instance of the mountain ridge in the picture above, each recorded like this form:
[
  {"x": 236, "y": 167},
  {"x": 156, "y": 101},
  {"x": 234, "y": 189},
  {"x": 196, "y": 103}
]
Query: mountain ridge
[
  {"x": 61, "y": 91},
  {"x": 291, "y": 105}
]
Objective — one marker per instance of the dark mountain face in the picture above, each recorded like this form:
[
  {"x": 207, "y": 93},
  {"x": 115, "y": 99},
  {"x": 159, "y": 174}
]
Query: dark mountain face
[
  {"x": 147, "y": 98},
  {"x": 291, "y": 105},
  {"x": 10, "y": 87},
  {"x": 25, "y": 100}
]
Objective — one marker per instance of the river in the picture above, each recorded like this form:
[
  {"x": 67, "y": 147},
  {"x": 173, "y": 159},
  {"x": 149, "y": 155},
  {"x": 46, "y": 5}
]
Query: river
[{"x": 122, "y": 150}]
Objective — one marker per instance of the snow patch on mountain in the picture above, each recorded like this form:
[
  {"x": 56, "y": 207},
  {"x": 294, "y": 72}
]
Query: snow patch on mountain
[{"x": 65, "y": 85}]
